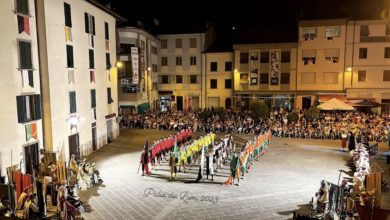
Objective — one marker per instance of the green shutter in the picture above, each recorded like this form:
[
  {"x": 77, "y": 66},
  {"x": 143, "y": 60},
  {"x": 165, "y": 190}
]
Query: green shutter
[
  {"x": 106, "y": 31},
  {"x": 21, "y": 108},
  {"x": 69, "y": 55},
  {"x": 86, "y": 20},
  {"x": 22, "y": 6},
  {"x": 93, "y": 25},
  {"x": 108, "y": 63},
  {"x": 25, "y": 55},
  {"x": 72, "y": 101},
  {"x": 68, "y": 15},
  {"x": 93, "y": 98},
  {"x": 37, "y": 107}
]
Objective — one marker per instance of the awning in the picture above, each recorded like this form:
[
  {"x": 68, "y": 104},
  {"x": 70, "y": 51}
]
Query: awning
[
  {"x": 143, "y": 107},
  {"x": 110, "y": 116},
  {"x": 325, "y": 98},
  {"x": 335, "y": 104},
  {"x": 363, "y": 103}
]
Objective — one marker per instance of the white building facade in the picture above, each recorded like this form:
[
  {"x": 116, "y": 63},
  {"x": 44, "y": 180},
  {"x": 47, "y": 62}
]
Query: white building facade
[{"x": 22, "y": 135}]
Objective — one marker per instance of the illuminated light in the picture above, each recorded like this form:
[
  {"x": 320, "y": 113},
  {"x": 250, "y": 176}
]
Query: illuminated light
[
  {"x": 349, "y": 69},
  {"x": 119, "y": 64},
  {"x": 235, "y": 70},
  {"x": 149, "y": 68}
]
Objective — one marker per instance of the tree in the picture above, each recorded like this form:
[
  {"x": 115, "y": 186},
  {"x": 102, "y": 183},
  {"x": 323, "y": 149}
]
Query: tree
[
  {"x": 259, "y": 111},
  {"x": 292, "y": 117},
  {"x": 312, "y": 113}
]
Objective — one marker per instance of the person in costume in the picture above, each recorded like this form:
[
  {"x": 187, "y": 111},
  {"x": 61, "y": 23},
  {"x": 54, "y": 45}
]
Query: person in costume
[
  {"x": 173, "y": 165},
  {"x": 144, "y": 162}
]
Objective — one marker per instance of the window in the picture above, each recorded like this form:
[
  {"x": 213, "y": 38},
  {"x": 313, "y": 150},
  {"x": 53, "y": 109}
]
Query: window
[
  {"x": 228, "y": 66},
  {"x": 25, "y": 61},
  {"x": 154, "y": 68},
  {"x": 164, "y": 44},
  {"x": 106, "y": 31},
  {"x": 309, "y": 33},
  {"x": 193, "y": 79},
  {"x": 264, "y": 57},
  {"x": 179, "y": 79},
  {"x": 109, "y": 97},
  {"x": 285, "y": 56},
  {"x": 213, "y": 84},
  {"x": 331, "y": 32},
  {"x": 308, "y": 78},
  {"x": 309, "y": 56},
  {"x": 332, "y": 55},
  {"x": 331, "y": 78},
  {"x": 72, "y": 102},
  {"x": 387, "y": 52},
  {"x": 386, "y": 75},
  {"x": 164, "y": 61},
  {"x": 68, "y": 15},
  {"x": 93, "y": 98},
  {"x": 164, "y": 79},
  {"x": 108, "y": 62},
  {"x": 178, "y": 61},
  {"x": 228, "y": 83},
  {"x": 69, "y": 56},
  {"x": 213, "y": 67},
  {"x": 89, "y": 23},
  {"x": 154, "y": 50},
  {"x": 244, "y": 57},
  {"x": 264, "y": 78},
  {"x": 91, "y": 59},
  {"x": 192, "y": 61},
  {"x": 178, "y": 43},
  {"x": 364, "y": 31},
  {"x": 285, "y": 78},
  {"x": 361, "y": 76},
  {"x": 22, "y": 7},
  {"x": 192, "y": 42},
  {"x": 28, "y": 107},
  {"x": 362, "y": 53}
]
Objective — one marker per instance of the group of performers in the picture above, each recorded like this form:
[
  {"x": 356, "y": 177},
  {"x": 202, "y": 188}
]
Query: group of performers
[{"x": 182, "y": 153}]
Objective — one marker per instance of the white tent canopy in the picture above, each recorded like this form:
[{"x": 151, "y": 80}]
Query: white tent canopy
[{"x": 335, "y": 104}]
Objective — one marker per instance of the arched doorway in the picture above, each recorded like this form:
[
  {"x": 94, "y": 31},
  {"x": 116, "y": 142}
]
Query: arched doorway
[{"x": 228, "y": 103}]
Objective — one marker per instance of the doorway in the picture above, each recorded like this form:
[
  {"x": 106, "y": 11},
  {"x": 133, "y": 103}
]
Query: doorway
[
  {"x": 228, "y": 103},
  {"x": 179, "y": 103},
  {"x": 74, "y": 146},
  {"x": 94, "y": 141},
  {"x": 109, "y": 131},
  {"x": 31, "y": 158},
  {"x": 306, "y": 102}
]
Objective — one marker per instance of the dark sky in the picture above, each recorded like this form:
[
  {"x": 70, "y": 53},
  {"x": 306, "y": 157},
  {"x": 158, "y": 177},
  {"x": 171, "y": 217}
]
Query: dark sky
[{"x": 243, "y": 14}]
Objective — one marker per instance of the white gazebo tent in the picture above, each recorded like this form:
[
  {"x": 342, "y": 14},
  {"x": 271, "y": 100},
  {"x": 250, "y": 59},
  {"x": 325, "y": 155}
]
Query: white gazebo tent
[{"x": 335, "y": 104}]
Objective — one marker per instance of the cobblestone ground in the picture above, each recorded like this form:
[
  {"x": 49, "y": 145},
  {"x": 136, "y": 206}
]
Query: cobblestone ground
[{"x": 286, "y": 176}]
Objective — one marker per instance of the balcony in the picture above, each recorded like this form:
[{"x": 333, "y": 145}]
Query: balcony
[{"x": 171, "y": 87}]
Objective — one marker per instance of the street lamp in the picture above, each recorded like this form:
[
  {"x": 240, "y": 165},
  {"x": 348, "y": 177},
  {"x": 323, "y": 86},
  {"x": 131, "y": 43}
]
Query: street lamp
[{"x": 119, "y": 64}]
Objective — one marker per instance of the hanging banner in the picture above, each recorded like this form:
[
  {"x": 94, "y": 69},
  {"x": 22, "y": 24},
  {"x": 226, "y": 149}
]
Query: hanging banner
[
  {"x": 275, "y": 67},
  {"x": 254, "y": 67},
  {"x": 142, "y": 61},
  {"x": 135, "y": 64}
]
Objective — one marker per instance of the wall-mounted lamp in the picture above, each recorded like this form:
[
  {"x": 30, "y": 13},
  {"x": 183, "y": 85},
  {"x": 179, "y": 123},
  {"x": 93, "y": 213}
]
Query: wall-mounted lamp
[
  {"x": 119, "y": 64},
  {"x": 349, "y": 69}
]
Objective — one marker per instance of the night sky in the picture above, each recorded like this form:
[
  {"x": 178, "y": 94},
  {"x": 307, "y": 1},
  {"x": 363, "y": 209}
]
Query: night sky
[{"x": 242, "y": 14}]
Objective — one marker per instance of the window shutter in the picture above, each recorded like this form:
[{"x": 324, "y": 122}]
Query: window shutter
[
  {"x": 93, "y": 98},
  {"x": 68, "y": 15},
  {"x": 25, "y": 55},
  {"x": 106, "y": 31},
  {"x": 22, "y": 6},
  {"x": 72, "y": 99},
  {"x": 93, "y": 25},
  {"x": 86, "y": 20},
  {"x": 69, "y": 55},
  {"x": 109, "y": 99},
  {"x": 91, "y": 60},
  {"x": 31, "y": 78},
  {"x": 37, "y": 107},
  {"x": 21, "y": 108},
  {"x": 108, "y": 63}
]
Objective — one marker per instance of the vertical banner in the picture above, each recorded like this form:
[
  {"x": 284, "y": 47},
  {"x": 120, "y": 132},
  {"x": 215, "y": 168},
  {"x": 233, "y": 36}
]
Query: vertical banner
[
  {"x": 142, "y": 61},
  {"x": 134, "y": 63},
  {"x": 275, "y": 67},
  {"x": 254, "y": 67}
]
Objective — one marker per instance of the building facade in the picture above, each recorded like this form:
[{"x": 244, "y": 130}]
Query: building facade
[
  {"x": 321, "y": 60},
  {"x": 265, "y": 72},
  {"x": 137, "y": 52},
  {"x": 79, "y": 76},
  {"x": 20, "y": 88},
  {"x": 180, "y": 61},
  {"x": 368, "y": 61},
  {"x": 217, "y": 80}
]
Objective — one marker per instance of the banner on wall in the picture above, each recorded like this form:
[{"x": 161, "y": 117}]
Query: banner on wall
[
  {"x": 275, "y": 67},
  {"x": 142, "y": 61},
  {"x": 254, "y": 67},
  {"x": 135, "y": 64}
]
